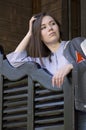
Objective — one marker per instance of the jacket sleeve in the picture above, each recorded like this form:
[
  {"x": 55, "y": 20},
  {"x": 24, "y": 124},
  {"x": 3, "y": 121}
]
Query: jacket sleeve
[{"x": 75, "y": 52}]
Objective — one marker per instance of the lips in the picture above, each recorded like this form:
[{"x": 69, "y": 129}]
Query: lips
[{"x": 52, "y": 34}]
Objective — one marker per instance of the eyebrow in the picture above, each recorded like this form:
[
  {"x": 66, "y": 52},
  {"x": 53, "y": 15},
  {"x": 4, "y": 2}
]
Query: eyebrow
[{"x": 49, "y": 22}]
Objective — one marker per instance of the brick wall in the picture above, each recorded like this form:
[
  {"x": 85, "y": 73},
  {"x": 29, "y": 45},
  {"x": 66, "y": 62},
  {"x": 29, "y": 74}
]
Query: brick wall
[
  {"x": 54, "y": 7},
  {"x": 14, "y": 16},
  {"x": 83, "y": 18}
]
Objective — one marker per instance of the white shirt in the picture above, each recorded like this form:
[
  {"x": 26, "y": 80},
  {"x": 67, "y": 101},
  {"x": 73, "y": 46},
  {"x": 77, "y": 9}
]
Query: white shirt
[{"x": 57, "y": 59}]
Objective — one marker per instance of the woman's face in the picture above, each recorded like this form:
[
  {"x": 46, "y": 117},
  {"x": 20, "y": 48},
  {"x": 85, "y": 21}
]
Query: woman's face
[{"x": 49, "y": 30}]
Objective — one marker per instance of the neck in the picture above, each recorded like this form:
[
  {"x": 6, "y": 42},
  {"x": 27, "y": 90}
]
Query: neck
[{"x": 54, "y": 46}]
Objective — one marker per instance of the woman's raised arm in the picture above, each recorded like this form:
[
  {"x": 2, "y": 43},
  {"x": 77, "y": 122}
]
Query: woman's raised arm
[{"x": 24, "y": 43}]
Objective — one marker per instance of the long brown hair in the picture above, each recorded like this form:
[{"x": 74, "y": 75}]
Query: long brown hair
[{"x": 36, "y": 47}]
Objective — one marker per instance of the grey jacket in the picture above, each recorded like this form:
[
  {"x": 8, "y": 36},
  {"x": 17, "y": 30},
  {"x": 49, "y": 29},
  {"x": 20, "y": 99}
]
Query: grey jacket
[{"x": 76, "y": 54}]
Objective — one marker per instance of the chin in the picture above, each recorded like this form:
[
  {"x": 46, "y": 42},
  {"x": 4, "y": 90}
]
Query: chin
[{"x": 54, "y": 40}]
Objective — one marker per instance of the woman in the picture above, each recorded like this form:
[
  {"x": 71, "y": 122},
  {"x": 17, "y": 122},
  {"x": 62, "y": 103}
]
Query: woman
[
  {"x": 44, "y": 41},
  {"x": 47, "y": 48}
]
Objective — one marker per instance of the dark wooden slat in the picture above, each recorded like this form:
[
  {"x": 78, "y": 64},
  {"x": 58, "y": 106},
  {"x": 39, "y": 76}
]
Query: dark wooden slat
[
  {"x": 52, "y": 112},
  {"x": 50, "y": 97},
  {"x": 16, "y": 103},
  {"x": 16, "y": 83},
  {"x": 49, "y": 104},
  {"x": 10, "y": 111},
  {"x": 45, "y": 121},
  {"x": 15, "y": 124},
  {"x": 15, "y": 97},
  {"x": 15, "y": 90},
  {"x": 54, "y": 127},
  {"x": 15, "y": 117}
]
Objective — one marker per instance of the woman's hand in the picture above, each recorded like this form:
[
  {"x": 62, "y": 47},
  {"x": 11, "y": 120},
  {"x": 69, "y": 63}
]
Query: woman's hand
[
  {"x": 58, "y": 77},
  {"x": 31, "y": 24}
]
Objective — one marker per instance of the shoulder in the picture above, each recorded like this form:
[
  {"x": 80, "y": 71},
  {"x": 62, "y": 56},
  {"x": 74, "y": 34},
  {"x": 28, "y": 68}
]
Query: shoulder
[
  {"x": 77, "y": 44},
  {"x": 77, "y": 40}
]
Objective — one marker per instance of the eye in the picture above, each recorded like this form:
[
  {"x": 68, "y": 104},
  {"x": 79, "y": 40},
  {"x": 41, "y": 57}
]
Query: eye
[
  {"x": 43, "y": 27},
  {"x": 53, "y": 23}
]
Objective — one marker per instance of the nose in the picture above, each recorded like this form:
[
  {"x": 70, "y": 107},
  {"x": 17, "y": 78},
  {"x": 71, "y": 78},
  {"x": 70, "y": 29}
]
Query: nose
[{"x": 50, "y": 27}]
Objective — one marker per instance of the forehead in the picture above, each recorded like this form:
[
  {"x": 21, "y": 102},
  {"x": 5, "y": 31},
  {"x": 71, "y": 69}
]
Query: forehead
[{"x": 47, "y": 19}]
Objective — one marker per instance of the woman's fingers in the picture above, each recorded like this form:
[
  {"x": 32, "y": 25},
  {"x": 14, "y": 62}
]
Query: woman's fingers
[
  {"x": 57, "y": 81},
  {"x": 58, "y": 78},
  {"x": 31, "y": 22}
]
